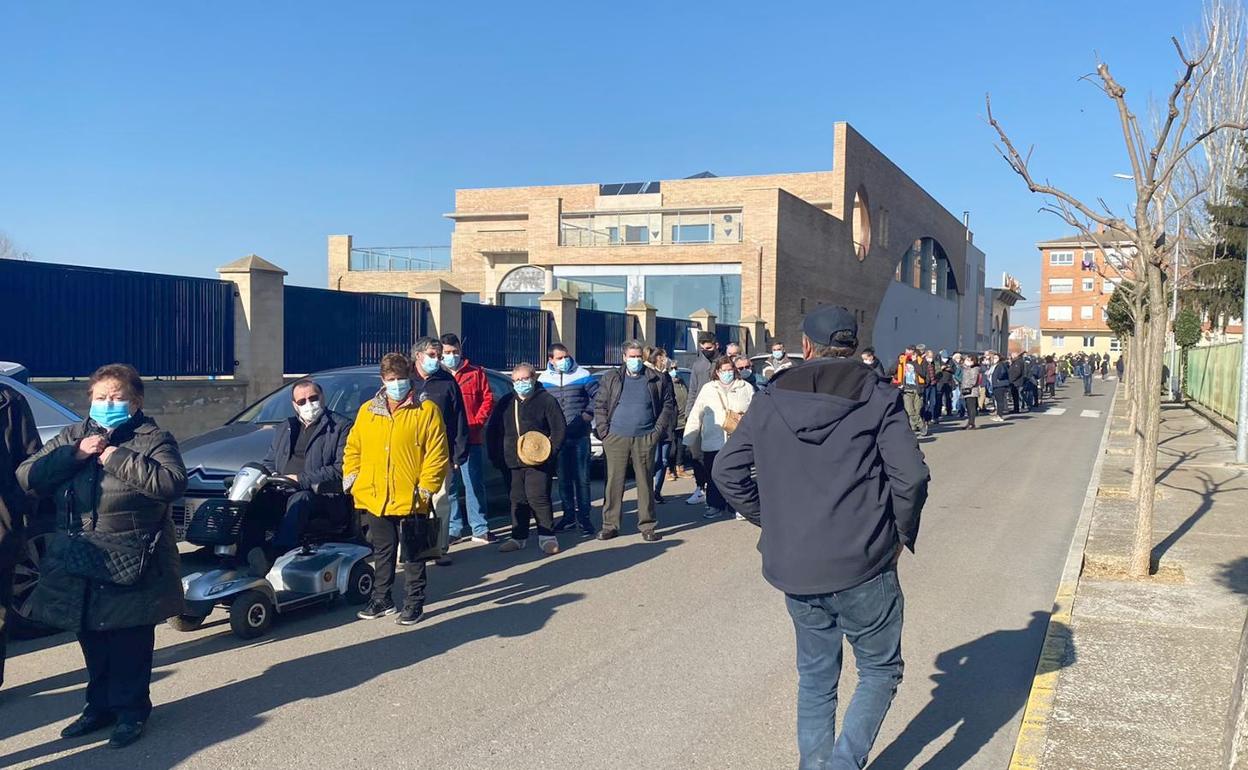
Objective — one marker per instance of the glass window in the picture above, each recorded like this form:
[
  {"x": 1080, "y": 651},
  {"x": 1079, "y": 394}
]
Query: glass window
[
  {"x": 1115, "y": 344},
  {"x": 691, "y": 233},
  {"x": 1059, "y": 341},
  {"x": 613, "y": 235},
  {"x": 344, "y": 393},
  {"x": 1059, "y": 312},
  {"x": 636, "y": 234},
  {"x": 1089, "y": 342},
  {"x": 678, "y": 296},
  {"x": 1085, "y": 312},
  {"x": 520, "y": 299},
  {"x": 1089, "y": 284},
  {"x": 599, "y": 292},
  {"x": 1061, "y": 285},
  {"x": 1061, "y": 257},
  {"x": 1107, "y": 287},
  {"x": 472, "y": 297}
]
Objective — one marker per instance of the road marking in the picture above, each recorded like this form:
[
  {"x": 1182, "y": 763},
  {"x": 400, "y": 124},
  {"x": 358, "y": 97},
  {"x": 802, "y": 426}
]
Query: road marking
[
  {"x": 1057, "y": 410},
  {"x": 1090, "y": 413}
]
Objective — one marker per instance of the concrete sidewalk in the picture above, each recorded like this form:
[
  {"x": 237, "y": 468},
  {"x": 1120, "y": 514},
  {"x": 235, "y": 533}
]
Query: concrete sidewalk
[{"x": 1141, "y": 673}]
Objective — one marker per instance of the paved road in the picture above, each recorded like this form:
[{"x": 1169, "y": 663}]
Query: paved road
[{"x": 617, "y": 655}]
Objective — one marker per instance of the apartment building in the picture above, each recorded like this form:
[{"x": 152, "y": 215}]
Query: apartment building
[
  {"x": 750, "y": 249},
  {"x": 1077, "y": 279}
]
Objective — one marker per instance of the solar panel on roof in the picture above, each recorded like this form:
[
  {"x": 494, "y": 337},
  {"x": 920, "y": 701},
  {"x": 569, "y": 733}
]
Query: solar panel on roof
[
  {"x": 631, "y": 188},
  {"x": 609, "y": 189}
]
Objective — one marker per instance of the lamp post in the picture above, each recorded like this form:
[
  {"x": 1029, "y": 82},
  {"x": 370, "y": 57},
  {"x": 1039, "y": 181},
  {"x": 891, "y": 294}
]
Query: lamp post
[{"x": 1241, "y": 418}]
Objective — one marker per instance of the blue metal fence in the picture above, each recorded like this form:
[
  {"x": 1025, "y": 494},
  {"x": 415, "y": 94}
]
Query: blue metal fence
[
  {"x": 599, "y": 334},
  {"x": 500, "y": 337},
  {"x": 673, "y": 334},
  {"x": 65, "y": 321},
  {"x": 727, "y": 334},
  {"x": 326, "y": 329}
]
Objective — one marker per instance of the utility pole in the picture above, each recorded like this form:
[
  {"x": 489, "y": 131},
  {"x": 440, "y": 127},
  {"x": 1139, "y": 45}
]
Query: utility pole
[{"x": 1241, "y": 421}]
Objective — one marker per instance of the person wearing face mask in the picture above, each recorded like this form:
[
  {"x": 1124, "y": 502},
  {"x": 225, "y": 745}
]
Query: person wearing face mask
[
  {"x": 115, "y": 473},
  {"x": 745, "y": 371},
  {"x": 779, "y": 361},
  {"x": 574, "y": 387},
  {"x": 869, "y": 359},
  {"x": 529, "y": 468},
  {"x": 468, "y": 479},
  {"x": 431, "y": 381},
  {"x": 713, "y": 417},
  {"x": 701, "y": 371},
  {"x": 396, "y": 460},
  {"x": 634, "y": 409},
  {"x": 307, "y": 449}
]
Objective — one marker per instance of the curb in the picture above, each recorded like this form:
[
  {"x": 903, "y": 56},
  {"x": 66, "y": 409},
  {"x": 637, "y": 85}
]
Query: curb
[
  {"x": 1033, "y": 733},
  {"x": 1214, "y": 419}
]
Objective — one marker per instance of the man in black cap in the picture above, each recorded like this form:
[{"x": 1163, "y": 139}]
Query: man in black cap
[{"x": 840, "y": 485}]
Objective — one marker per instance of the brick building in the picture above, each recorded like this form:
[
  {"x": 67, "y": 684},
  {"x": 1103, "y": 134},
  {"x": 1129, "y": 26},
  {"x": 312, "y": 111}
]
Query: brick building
[
  {"x": 1077, "y": 280},
  {"x": 757, "y": 251}
]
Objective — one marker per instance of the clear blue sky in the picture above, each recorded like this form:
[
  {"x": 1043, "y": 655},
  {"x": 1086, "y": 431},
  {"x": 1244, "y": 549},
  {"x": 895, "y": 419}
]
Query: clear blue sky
[{"x": 175, "y": 137}]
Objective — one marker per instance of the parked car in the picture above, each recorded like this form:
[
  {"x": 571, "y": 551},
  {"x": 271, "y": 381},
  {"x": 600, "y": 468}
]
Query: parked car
[
  {"x": 50, "y": 415},
  {"x": 214, "y": 457}
]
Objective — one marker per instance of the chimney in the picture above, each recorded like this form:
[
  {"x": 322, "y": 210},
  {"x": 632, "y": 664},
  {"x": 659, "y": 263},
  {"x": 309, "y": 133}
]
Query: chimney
[{"x": 1100, "y": 228}]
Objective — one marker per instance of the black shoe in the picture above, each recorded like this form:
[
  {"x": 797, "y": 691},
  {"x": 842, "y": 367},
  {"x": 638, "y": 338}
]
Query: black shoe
[
  {"x": 443, "y": 561},
  {"x": 567, "y": 522},
  {"x": 651, "y": 537},
  {"x": 410, "y": 617},
  {"x": 587, "y": 532},
  {"x": 87, "y": 723},
  {"x": 377, "y": 609},
  {"x": 125, "y": 734},
  {"x": 659, "y": 499},
  {"x": 608, "y": 534}
]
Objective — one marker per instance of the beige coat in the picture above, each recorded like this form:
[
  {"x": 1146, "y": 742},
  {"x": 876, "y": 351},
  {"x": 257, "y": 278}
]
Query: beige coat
[{"x": 708, "y": 412}]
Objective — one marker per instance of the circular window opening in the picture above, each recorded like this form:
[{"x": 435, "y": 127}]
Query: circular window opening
[{"x": 861, "y": 223}]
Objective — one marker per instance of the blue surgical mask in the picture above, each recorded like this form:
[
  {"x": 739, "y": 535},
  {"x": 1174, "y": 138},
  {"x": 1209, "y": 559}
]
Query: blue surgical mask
[
  {"x": 429, "y": 365},
  {"x": 110, "y": 414},
  {"x": 523, "y": 387},
  {"x": 634, "y": 364},
  {"x": 564, "y": 365},
  {"x": 398, "y": 389},
  {"x": 777, "y": 354},
  {"x": 675, "y": 376},
  {"x": 452, "y": 360},
  {"x": 727, "y": 377}
]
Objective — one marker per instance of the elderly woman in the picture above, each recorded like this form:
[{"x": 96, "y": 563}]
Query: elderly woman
[
  {"x": 116, "y": 472},
  {"x": 713, "y": 416}
]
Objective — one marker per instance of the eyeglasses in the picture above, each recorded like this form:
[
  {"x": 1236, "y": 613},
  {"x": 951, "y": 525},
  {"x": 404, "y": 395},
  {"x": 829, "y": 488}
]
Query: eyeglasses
[{"x": 312, "y": 398}]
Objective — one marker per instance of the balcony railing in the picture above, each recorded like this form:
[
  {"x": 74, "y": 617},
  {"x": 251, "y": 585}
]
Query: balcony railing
[
  {"x": 651, "y": 228},
  {"x": 386, "y": 259}
]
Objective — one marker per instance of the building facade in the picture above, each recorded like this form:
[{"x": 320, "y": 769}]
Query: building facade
[
  {"x": 1077, "y": 279},
  {"x": 757, "y": 251}
]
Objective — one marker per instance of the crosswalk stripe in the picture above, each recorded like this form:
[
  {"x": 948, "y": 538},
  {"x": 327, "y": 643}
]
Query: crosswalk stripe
[
  {"x": 1090, "y": 413},
  {"x": 1055, "y": 410}
]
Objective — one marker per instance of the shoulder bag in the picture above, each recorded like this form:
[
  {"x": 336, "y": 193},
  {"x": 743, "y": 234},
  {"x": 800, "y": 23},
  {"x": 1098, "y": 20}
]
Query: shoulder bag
[
  {"x": 731, "y": 419},
  {"x": 103, "y": 557}
]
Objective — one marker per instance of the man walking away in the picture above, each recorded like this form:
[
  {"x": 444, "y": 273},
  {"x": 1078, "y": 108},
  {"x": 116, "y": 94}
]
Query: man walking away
[
  {"x": 468, "y": 479},
  {"x": 701, "y": 371},
  {"x": 840, "y": 487},
  {"x": 19, "y": 439},
  {"x": 635, "y": 406},
  {"x": 1018, "y": 378},
  {"x": 574, "y": 388}
]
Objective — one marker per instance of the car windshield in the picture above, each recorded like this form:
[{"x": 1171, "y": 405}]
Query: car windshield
[
  {"x": 46, "y": 410},
  {"x": 344, "y": 393}
]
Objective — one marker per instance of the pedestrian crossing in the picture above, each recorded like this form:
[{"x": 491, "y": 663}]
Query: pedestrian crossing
[
  {"x": 1058, "y": 411},
  {"x": 1094, "y": 413}
]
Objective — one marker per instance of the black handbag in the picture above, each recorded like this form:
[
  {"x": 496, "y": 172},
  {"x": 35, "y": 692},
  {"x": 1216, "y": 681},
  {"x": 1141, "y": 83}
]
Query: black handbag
[
  {"x": 420, "y": 538},
  {"x": 103, "y": 557}
]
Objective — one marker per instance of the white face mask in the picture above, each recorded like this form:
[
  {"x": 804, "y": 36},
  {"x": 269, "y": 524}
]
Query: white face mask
[{"x": 310, "y": 411}]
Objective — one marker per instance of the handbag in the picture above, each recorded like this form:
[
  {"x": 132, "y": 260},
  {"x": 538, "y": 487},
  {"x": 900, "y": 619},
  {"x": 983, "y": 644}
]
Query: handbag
[
  {"x": 731, "y": 419},
  {"x": 420, "y": 538},
  {"x": 532, "y": 447},
  {"x": 119, "y": 558}
]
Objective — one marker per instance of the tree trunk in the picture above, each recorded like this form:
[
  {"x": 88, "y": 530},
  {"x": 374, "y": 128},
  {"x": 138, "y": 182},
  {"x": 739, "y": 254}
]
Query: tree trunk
[
  {"x": 1139, "y": 382},
  {"x": 1150, "y": 427}
]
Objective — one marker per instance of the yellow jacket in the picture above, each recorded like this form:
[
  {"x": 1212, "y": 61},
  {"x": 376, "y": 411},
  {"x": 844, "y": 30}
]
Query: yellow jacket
[{"x": 389, "y": 457}]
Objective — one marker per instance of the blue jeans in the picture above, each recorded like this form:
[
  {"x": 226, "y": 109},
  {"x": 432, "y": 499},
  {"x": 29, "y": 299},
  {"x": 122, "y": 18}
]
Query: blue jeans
[
  {"x": 468, "y": 481},
  {"x": 574, "y": 480},
  {"x": 662, "y": 452},
  {"x": 1087, "y": 385},
  {"x": 870, "y": 616}
]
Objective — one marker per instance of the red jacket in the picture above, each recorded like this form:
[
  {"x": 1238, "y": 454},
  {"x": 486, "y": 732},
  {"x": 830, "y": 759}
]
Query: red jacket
[{"x": 478, "y": 399}]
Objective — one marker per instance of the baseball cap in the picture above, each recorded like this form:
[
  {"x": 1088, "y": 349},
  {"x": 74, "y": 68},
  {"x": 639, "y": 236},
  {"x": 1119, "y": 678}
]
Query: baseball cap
[{"x": 824, "y": 322}]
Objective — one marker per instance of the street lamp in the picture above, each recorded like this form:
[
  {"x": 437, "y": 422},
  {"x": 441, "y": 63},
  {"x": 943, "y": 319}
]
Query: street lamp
[{"x": 1241, "y": 419}]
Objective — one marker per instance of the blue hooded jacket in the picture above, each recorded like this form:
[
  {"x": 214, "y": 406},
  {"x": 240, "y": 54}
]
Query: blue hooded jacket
[{"x": 575, "y": 391}]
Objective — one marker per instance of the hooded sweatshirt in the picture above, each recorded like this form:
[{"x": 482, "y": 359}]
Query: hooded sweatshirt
[{"x": 840, "y": 478}]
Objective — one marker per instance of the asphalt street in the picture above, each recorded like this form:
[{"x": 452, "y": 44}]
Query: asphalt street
[{"x": 621, "y": 654}]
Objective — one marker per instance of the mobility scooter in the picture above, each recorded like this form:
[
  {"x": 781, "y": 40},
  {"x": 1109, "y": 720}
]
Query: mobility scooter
[{"x": 331, "y": 562}]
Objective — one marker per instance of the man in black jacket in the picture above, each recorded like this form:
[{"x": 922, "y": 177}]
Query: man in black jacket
[
  {"x": 434, "y": 383},
  {"x": 1018, "y": 377},
  {"x": 634, "y": 409},
  {"x": 701, "y": 371},
  {"x": 306, "y": 448},
  {"x": 19, "y": 439},
  {"x": 839, "y": 489}
]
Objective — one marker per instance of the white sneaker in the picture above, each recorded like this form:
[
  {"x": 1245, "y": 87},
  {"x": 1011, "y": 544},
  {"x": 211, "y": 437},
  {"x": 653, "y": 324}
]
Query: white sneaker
[
  {"x": 998, "y": 418},
  {"x": 697, "y": 498},
  {"x": 511, "y": 544},
  {"x": 548, "y": 544},
  {"x": 739, "y": 516}
]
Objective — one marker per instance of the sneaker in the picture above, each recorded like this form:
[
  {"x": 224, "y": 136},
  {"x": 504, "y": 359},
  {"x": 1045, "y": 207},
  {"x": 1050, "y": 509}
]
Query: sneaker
[
  {"x": 998, "y": 418},
  {"x": 697, "y": 498},
  {"x": 587, "y": 532},
  {"x": 659, "y": 499},
  {"x": 567, "y": 522},
  {"x": 549, "y": 544},
  {"x": 377, "y": 609},
  {"x": 487, "y": 538},
  {"x": 511, "y": 544},
  {"x": 739, "y": 516},
  {"x": 410, "y": 617},
  {"x": 712, "y": 513}
]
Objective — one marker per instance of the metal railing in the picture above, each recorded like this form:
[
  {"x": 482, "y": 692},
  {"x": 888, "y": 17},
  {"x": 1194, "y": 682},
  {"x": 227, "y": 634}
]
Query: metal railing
[
  {"x": 396, "y": 259},
  {"x": 325, "y": 329},
  {"x": 651, "y": 228},
  {"x": 673, "y": 334}
]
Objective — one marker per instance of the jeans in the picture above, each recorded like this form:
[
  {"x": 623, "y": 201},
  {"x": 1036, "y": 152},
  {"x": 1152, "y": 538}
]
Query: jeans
[
  {"x": 714, "y": 498},
  {"x": 119, "y": 672},
  {"x": 622, "y": 451},
  {"x": 383, "y": 536},
  {"x": 662, "y": 454},
  {"x": 574, "y": 481},
  {"x": 931, "y": 403},
  {"x": 870, "y": 616},
  {"x": 468, "y": 482},
  {"x": 530, "y": 499},
  {"x": 1087, "y": 384}
]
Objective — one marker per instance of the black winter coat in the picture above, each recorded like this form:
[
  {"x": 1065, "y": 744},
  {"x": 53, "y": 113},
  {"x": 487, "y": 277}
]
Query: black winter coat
[
  {"x": 662, "y": 398},
  {"x": 131, "y": 493},
  {"x": 539, "y": 412},
  {"x": 441, "y": 388},
  {"x": 19, "y": 439},
  {"x": 322, "y": 469},
  {"x": 1018, "y": 372}
]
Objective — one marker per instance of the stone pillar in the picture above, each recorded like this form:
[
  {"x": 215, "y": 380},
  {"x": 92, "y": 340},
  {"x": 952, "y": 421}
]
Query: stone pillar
[
  {"x": 754, "y": 335},
  {"x": 647, "y": 321},
  {"x": 446, "y": 306},
  {"x": 259, "y": 323},
  {"x": 705, "y": 319},
  {"x": 562, "y": 306},
  {"x": 339, "y": 259}
]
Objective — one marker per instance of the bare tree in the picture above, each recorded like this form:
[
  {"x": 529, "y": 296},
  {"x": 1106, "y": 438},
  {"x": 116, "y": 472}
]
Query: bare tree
[
  {"x": 1159, "y": 155},
  {"x": 9, "y": 250}
]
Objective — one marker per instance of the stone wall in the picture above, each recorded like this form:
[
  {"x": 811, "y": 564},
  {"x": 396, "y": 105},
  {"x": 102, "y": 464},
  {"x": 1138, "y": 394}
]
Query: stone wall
[{"x": 183, "y": 407}]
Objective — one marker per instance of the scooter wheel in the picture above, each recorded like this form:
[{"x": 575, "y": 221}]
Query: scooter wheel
[
  {"x": 359, "y": 583},
  {"x": 186, "y": 622},
  {"x": 251, "y": 614}
]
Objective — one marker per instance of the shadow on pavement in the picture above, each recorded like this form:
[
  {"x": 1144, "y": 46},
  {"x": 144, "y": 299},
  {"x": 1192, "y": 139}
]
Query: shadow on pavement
[
  {"x": 1234, "y": 575},
  {"x": 1208, "y": 492},
  {"x": 980, "y": 686}
]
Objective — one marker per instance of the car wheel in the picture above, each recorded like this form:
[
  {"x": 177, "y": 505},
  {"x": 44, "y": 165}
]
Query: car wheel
[
  {"x": 251, "y": 614},
  {"x": 186, "y": 622},
  {"x": 359, "y": 583},
  {"x": 25, "y": 578}
]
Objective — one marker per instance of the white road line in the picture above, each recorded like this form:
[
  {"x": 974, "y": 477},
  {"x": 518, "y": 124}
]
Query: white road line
[
  {"x": 1056, "y": 410},
  {"x": 1090, "y": 413}
]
